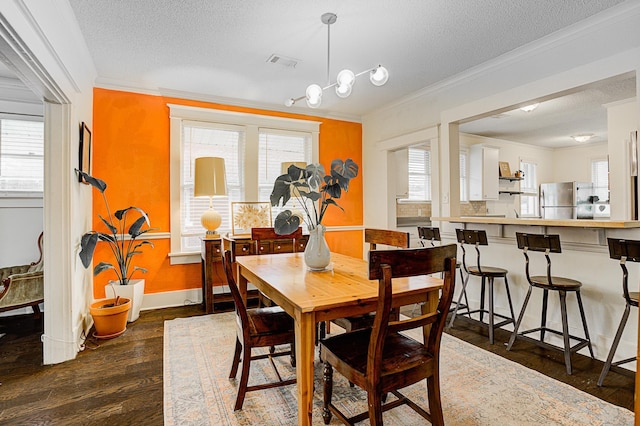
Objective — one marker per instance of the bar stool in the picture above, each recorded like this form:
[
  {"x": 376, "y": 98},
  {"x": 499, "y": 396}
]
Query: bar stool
[
  {"x": 487, "y": 274},
  {"x": 550, "y": 244},
  {"x": 431, "y": 235},
  {"x": 624, "y": 250}
]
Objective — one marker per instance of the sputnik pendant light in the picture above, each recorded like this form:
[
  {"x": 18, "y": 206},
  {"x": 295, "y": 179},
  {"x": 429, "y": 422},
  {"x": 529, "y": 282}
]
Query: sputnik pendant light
[{"x": 378, "y": 75}]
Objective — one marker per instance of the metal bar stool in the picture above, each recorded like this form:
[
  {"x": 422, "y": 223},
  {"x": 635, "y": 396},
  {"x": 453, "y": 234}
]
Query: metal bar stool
[
  {"x": 487, "y": 274},
  {"x": 550, "y": 244},
  {"x": 431, "y": 235},
  {"x": 624, "y": 250}
]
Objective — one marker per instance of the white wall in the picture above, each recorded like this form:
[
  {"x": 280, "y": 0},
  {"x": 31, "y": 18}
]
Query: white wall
[
  {"x": 49, "y": 33},
  {"x": 574, "y": 163}
]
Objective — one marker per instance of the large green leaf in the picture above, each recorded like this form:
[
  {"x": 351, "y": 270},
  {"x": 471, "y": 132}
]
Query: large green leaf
[
  {"x": 87, "y": 247},
  {"x": 281, "y": 190},
  {"x": 99, "y": 184},
  {"x": 286, "y": 223}
]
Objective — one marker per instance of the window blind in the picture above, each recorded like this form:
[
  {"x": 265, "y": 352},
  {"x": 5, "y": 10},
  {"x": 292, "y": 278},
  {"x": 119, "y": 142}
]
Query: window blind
[
  {"x": 209, "y": 140},
  {"x": 419, "y": 167},
  {"x": 600, "y": 178},
  {"x": 21, "y": 156},
  {"x": 274, "y": 148},
  {"x": 529, "y": 187}
]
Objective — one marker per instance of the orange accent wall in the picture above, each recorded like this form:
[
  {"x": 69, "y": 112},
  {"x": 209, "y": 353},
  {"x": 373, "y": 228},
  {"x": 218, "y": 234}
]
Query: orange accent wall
[{"x": 131, "y": 146}]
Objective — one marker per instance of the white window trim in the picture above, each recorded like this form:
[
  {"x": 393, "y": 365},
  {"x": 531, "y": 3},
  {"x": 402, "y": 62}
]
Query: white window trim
[{"x": 252, "y": 123}]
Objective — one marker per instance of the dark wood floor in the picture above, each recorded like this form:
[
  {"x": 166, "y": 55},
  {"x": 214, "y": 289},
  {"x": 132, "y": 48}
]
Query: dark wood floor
[{"x": 119, "y": 381}]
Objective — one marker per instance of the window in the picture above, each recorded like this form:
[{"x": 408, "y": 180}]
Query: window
[
  {"x": 529, "y": 188},
  {"x": 464, "y": 172},
  {"x": 21, "y": 156},
  {"x": 254, "y": 148},
  {"x": 600, "y": 178},
  {"x": 419, "y": 174}
]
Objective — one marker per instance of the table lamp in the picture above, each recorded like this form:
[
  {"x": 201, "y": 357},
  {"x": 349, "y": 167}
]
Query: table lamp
[{"x": 210, "y": 181}]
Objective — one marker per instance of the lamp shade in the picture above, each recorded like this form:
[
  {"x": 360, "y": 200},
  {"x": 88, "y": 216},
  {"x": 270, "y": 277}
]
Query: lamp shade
[{"x": 210, "y": 177}]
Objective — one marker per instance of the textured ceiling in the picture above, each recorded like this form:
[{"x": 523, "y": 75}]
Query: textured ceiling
[{"x": 220, "y": 47}]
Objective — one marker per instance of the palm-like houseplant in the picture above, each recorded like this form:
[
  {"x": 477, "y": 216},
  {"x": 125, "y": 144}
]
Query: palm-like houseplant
[{"x": 122, "y": 234}]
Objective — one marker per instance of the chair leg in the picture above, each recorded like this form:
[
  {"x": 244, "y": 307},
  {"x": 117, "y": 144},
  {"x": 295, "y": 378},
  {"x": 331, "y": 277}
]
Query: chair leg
[
  {"x": 244, "y": 377},
  {"x": 543, "y": 319},
  {"x": 491, "y": 317},
  {"x": 455, "y": 311},
  {"x": 614, "y": 347},
  {"x": 435, "y": 403},
  {"x": 375, "y": 408},
  {"x": 292, "y": 357},
  {"x": 506, "y": 286},
  {"x": 584, "y": 323},
  {"x": 327, "y": 376},
  {"x": 464, "y": 292},
  {"x": 236, "y": 359},
  {"x": 512, "y": 339},
  {"x": 482, "y": 289},
  {"x": 565, "y": 330}
]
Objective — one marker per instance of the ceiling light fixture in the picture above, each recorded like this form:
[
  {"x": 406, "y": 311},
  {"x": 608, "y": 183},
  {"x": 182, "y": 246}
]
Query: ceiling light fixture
[
  {"x": 529, "y": 108},
  {"x": 378, "y": 75},
  {"x": 582, "y": 137}
]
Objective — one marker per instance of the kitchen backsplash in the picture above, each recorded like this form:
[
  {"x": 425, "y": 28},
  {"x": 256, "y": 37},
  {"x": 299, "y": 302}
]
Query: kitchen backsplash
[{"x": 424, "y": 209}]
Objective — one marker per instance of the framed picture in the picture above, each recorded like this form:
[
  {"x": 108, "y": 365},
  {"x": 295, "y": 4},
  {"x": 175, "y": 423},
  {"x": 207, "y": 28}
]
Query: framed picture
[
  {"x": 505, "y": 170},
  {"x": 246, "y": 215},
  {"x": 84, "y": 161}
]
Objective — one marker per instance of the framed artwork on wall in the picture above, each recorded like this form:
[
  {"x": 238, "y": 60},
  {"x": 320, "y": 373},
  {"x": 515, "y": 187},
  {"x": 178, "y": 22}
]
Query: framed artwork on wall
[
  {"x": 247, "y": 215},
  {"x": 84, "y": 160},
  {"x": 505, "y": 170}
]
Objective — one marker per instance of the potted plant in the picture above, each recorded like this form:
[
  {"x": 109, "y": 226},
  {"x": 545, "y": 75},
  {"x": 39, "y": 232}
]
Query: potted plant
[
  {"x": 118, "y": 226},
  {"x": 322, "y": 190}
]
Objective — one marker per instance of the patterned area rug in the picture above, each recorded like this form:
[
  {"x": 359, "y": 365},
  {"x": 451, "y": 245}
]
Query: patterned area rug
[{"x": 478, "y": 387}]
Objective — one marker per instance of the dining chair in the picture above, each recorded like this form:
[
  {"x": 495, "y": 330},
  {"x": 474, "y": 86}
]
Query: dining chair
[
  {"x": 374, "y": 237},
  {"x": 257, "y": 328},
  {"x": 381, "y": 359}
]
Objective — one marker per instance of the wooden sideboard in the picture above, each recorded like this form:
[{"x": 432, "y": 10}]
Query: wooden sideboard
[{"x": 211, "y": 255}]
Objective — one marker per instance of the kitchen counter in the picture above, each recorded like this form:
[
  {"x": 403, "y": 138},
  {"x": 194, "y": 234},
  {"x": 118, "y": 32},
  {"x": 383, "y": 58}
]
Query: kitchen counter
[{"x": 571, "y": 223}]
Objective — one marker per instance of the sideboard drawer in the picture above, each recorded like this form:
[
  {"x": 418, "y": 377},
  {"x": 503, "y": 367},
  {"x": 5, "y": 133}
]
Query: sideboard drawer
[
  {"x": 264, "y": 247},
  {"x": 281, "y": 246},
  {"x": 243, "y": 248}
]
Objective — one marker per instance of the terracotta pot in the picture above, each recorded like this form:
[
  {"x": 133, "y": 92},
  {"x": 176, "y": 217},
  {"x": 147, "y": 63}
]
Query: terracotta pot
[{"x": 110, "y": 321}]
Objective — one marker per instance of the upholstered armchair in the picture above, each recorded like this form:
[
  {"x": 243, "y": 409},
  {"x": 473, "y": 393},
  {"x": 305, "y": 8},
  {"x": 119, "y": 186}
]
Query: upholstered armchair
[{"x": 22, "y": 286}]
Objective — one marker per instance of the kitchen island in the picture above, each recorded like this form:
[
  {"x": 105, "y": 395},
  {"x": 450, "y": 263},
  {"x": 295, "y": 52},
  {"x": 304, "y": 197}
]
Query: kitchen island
[{"x": 584, "y": 257}]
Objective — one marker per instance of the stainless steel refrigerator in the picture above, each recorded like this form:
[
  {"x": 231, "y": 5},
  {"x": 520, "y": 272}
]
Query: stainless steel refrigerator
[{"x": 567, "y": 200}]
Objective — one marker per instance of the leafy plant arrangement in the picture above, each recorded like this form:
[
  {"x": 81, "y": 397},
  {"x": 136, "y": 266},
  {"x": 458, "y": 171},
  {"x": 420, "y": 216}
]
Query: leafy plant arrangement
[
  {"x": 311, "y": 184},
  {"x": 122, "y": 249}
]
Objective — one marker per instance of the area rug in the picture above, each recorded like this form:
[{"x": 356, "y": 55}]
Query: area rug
[{"x": 478, "y": 387}]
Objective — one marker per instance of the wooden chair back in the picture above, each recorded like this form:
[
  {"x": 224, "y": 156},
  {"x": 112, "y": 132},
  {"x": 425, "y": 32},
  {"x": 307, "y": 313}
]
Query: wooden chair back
[
  {"x": 540, "y": 243},
  {"x": 238, "y": 301},
  {"x": 384, "y": 265},
  {"x": 386, "y": 237},
  {"x": 625, "y": 250}
]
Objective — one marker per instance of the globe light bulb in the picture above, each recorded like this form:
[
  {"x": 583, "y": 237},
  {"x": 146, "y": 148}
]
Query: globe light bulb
[
  {"x": 379, "y": 76},
  {"x": 346, "y": 78},
  {"x": 314, "y": 96},
  {"x": 343, "y": 90}
]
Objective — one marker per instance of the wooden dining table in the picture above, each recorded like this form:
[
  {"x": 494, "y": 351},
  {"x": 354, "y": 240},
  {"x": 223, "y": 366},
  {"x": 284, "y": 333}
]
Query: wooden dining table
[{"x": 342, "y": 290}]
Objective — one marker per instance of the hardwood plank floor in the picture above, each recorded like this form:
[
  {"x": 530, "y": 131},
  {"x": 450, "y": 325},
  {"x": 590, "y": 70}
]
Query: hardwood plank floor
[{"x": 119, "y": 381}]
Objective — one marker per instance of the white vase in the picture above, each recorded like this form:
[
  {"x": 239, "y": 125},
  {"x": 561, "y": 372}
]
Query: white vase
[
  {"x": 317, "y": 255},
  {"x": 134, "y": 291}
]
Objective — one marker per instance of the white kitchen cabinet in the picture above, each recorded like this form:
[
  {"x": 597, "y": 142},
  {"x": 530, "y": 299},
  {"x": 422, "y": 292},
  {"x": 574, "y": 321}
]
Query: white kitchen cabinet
[{"x": 483, "y": 173}]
